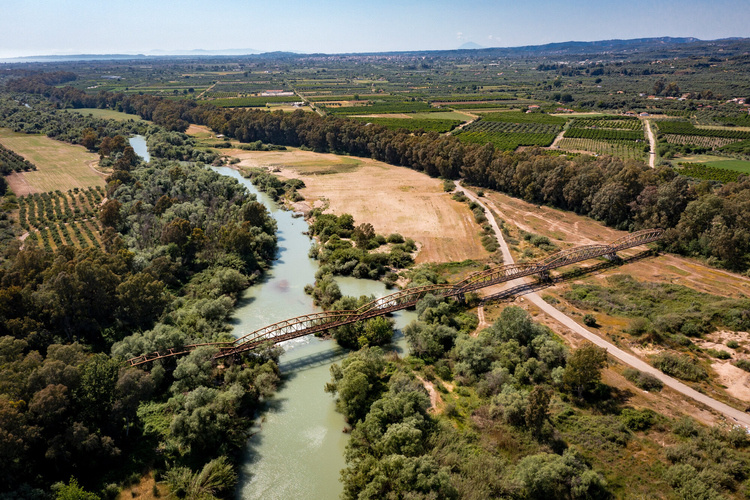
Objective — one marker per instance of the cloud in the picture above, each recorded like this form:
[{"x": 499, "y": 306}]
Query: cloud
[{"x": 460, "y": 36}]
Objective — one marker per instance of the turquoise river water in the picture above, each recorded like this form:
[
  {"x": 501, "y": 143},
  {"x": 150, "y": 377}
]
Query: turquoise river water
[{"x": 296, "y": 451}]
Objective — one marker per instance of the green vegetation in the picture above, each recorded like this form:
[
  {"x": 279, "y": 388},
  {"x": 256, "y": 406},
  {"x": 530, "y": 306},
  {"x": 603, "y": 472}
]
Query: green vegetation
[
  {"x": 704, "y": 171},
  {"x": 13, "y": 162},
  {"x": 426, "y": 125},
  {"x": 687, "y": 128},
  {"x": 662, "y": 310},
  {"x": 381, "y": 108},
  {"x": 249, "y": 102}
]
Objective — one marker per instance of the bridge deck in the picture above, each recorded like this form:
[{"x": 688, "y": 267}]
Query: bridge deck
[{"x": 318, "y": 322}]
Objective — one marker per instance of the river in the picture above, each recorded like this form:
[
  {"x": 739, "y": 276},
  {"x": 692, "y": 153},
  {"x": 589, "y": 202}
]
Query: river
[
  {"x": 298, "y": 445},
  {"x": 138, "y": 143}
]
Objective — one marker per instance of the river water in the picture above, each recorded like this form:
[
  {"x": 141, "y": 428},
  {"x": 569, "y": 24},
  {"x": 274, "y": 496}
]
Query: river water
[
  {"x": 298, "y": 445},
  {"x": 138, "y": 143}
]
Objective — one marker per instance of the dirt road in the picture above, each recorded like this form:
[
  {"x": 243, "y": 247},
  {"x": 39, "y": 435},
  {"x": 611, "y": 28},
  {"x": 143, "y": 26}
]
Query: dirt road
[
  {"x": 652, "y": 140},
  {"x": 630, "y": 360}
]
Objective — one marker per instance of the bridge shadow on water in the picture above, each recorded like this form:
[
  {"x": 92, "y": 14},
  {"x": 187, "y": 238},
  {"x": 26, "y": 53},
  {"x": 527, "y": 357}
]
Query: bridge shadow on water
[
  {"x": 309, "y": 361},
  {"x": 526, "y": 288}
]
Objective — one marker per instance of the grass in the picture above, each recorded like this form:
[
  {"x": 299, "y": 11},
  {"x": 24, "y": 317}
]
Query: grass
[
  {"x": 106, "y": 114},
  {"x": 443, "y": 115},
  {"x": 61, "y": 166},
  {"x": 742, "y": 166}
]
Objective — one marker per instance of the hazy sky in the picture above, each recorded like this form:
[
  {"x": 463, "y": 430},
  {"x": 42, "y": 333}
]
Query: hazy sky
[{"x": 40, "y": 27}]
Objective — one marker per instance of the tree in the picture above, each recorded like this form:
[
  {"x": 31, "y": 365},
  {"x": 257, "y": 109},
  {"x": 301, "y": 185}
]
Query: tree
[
  {"x": 584, "y": 368},
  {"x": 378, "y": 331},
  {"x": 72, "y": 491},
  {"x": 659, "y": 86},
  {"x": 363, "y": 234},
  {"x": 109, "y": 214},
  {"x": 537, "y": 408}
]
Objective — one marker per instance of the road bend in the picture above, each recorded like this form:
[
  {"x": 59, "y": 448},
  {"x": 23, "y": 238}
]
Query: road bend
[{"x": 733, "y": 414}]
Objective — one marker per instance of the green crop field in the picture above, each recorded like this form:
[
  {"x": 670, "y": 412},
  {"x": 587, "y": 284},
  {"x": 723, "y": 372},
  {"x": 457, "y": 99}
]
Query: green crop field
[
  {"x": 412, "y": 123},
  {"x": 105, "y": 114},
  {"x": 621, "y": 149}
]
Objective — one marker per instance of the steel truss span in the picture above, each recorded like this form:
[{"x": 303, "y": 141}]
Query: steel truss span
[{"x": 319, "y": 322}]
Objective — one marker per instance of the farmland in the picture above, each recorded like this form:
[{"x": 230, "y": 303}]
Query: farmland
[
  {"x": 413, "y": 124},
  {"x": 249, "y": 102},
  {"x": 687, "y": 128},
  {"x": 106, "y": 114},
  {"x": 60, "y": 218},
  {"x": 622, "y": 149},
  {"x": 59, "y": 165}
]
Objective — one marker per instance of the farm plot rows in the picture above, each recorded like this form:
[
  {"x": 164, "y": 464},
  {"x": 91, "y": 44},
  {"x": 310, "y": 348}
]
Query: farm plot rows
[
  {"x": 599, "y": 134},
  {"x": 523, "y": 117},
  {"x": 13, "y": 162},
  {"x": 56, "y": 218},
  {"x": 383, "y": 108},
  {"x": 618, "y": 123},
  {"x": 701, "y": 171},
  {"x": 699, "y": 140},
  {"x": 687, "y": 128},
  {"x": 249, "y": 102},
  {"x": 411, "y": 124},
  {"x": 509, "y": 136},
  {"x": 621, "y": 149}
]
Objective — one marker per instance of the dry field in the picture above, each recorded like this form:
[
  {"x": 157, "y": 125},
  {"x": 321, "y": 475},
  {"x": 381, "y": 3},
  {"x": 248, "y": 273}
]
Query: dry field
[
  {"x": 393, "y": 199},
  {"x": 60, "y": 165}
]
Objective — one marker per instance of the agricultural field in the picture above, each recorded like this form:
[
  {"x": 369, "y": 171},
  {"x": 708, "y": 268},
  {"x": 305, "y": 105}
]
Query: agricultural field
[
  {"x": 706, "y": 172},
  {"x": 523, "y": 117},
  {"x": 687, "y": 128},
  {"x": 508, "y": 135},
  {"x": 600, "y": 134},
  {"x": 105, "y": 114},
  {"x": 57, "y": 218},
  {"x": 427, "y": 125},
  {"x": 381, "y": 108},
  {"x": 59, "y": 165},
  {"x": 249, "y": 102},
  {"x": 614, "y": 123},
  {"x": 621, "y": 149},
  {"x": 699, "y": 140},
  {"x": 391, "y": 198},
  {"x": 13, "y": 162}
]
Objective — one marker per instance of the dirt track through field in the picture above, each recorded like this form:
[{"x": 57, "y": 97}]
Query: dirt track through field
[
  {"x": 392, "y": 199},
  {"x": 630, "y": 360},
  {"x": 652, "y": 141}
]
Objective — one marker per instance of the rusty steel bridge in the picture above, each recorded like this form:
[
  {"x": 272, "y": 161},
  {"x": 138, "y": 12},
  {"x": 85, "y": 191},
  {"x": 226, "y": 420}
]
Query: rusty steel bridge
[{"x": 310, "y": 324}]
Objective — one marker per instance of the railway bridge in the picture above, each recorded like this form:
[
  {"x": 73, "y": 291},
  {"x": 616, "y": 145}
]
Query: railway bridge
[{"x": 310, "y": 324}]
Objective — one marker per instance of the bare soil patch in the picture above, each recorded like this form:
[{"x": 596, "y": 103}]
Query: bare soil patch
[{"x": 392, "y": 199}]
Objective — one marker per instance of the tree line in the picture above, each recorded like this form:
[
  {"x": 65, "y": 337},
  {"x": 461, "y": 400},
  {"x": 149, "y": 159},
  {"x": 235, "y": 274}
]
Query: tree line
[{"x": 705, "y": 220}]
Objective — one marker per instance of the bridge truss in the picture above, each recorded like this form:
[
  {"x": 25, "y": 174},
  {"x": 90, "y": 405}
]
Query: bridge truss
[{"x": 309, "y": 324}]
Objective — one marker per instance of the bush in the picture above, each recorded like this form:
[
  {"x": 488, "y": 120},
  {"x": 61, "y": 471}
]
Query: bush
[
  {"x": 637, "y": 420},
  {"x": 720, "y": 354},
  {"x": 683, "y": 367},
  {"x": 589, "y": 320},
  {"x": 733, "y": 344},
  {"x": 395, "y": 238},
  {"x": 743, "y": 364},
  {"x": 643, "y": 380}
]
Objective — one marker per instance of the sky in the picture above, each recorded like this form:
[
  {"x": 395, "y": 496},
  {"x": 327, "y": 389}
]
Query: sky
[{"x": 52, "y": 27}]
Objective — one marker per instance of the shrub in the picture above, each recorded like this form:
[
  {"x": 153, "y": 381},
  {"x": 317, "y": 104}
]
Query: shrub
[
  {"x": 721, "y": 354},
  {"x": 637, "y": 420},
  {"x": 589, "y": 320},
  {"x": 743, "y": 364},
  {"x": 643, "y": 380},
  {"x": 682, "y": 367},
  {"x": 733, "y": 344},
  {"x": 395, "y": 238}
]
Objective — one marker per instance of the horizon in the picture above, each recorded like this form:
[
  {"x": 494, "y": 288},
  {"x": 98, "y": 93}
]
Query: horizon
[{"x": 331, "y": 27}]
